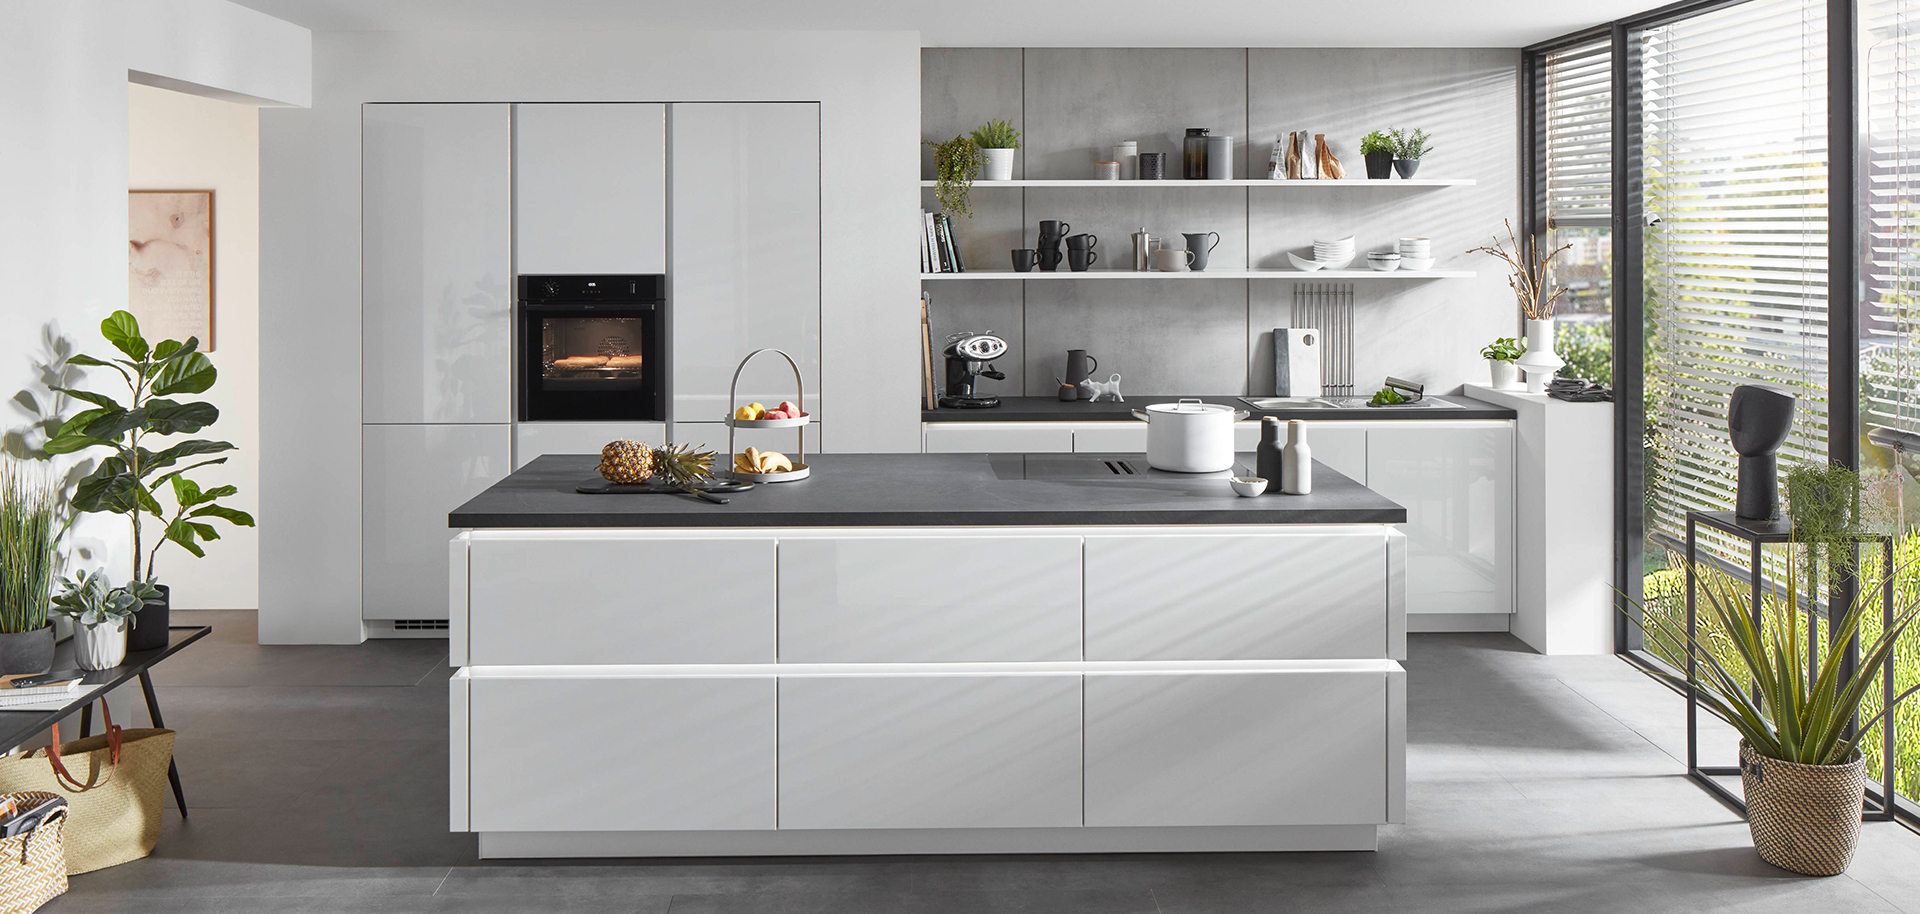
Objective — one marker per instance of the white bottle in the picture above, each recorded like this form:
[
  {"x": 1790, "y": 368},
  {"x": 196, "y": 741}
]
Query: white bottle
[{"x": 1296, "y": 474}]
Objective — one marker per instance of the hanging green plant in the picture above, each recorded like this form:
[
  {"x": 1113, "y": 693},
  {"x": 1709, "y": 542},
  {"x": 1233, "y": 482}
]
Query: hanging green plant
[
  {"x": 1824, "y": 503},
  {"x": 956, "y": 163}
]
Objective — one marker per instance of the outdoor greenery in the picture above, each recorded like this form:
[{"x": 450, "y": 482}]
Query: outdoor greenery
[
  {"x": 124, "y": 482},
  {"x": 1376, "y": 141},
  {"x": 996, "y": 135},
  {"x": 29, "y": 541},
  {"x": 956, "y": 163},
  {"x": 90, "y": 600},
  {"x": 1588, "y": 348}
]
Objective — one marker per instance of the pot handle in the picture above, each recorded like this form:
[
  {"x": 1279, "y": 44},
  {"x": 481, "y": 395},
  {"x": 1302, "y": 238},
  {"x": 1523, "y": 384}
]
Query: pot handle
[
  {"x": 1141, "y": 416},
  {"x": 1240, "y": 414}
]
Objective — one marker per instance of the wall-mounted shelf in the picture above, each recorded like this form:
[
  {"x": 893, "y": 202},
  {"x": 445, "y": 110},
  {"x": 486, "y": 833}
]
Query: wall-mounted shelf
[
  {"x": 1238, "y": 182},
  {"x": 1318, "y": 276}
]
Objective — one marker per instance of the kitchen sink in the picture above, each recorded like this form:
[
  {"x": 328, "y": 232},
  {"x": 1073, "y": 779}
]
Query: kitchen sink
[
  {"x": 1269, "y": 403},
  {"x": 1279, "y": 403}
]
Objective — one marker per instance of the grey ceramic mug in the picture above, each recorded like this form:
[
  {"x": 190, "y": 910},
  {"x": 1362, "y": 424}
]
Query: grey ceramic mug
[{"x": 1024, "y": 259}]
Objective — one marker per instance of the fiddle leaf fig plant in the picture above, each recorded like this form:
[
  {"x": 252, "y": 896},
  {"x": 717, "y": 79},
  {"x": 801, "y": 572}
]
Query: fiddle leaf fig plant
[{"x": 126, "y": 480}]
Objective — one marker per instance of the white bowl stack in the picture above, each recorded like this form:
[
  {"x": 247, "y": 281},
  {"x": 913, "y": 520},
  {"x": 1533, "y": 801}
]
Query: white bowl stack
[
  {"x": 1416, "y": 254},
  {"x": 1383, "y": 261},
  {"x": 1335, "y": 254}
]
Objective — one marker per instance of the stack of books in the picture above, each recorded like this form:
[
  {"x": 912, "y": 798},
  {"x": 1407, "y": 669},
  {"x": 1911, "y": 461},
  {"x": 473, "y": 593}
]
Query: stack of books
[
  {"x": 33, "y": 690},
  {"x": 938, "y": 252}
]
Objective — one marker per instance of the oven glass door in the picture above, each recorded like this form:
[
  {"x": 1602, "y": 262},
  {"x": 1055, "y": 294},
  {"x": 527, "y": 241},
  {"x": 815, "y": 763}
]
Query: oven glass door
[{"x": 592, "y": 364}]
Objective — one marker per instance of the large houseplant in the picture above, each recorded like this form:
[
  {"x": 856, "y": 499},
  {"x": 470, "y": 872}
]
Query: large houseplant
[
  {"x": 29, "y": 542},
  {"x": 130, "y": 479}
]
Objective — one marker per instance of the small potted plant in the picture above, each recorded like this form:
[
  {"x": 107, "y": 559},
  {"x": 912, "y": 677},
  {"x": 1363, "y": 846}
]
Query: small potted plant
[
  {"x": 1530, "y": 275},
  {"x": 1408, "y": 149},
  {"x": 1377, "y": 147},
  {"x": 101, "y": 615},
  {"x": 1500, "y": 355},
  {"x": 29, "y": 543},
  {"x": 997, "y": 141},
  {"x": 956, "y": 163}
]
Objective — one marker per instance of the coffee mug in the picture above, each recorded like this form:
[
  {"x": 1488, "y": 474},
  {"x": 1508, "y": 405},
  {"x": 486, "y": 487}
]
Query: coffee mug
[
  {"x": 1054, "y": 228},
  {"x": 1170, "y": 260},
  {"x": 1197, "y": 243},
  {"x": 1079, "y": 259},
  {"x": 1024, "y": 259},
  {"x": 1084, "y": 242}
]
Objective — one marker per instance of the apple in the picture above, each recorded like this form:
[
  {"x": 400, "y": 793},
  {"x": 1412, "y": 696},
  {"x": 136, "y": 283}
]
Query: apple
[{"x": 791, "y": 408}]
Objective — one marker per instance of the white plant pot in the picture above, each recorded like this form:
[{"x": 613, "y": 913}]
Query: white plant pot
[
  {"x": 100, "y": 647},
  {"x": 999, "y": 165},
  {"x": 1540, "y": 361},
  {"x": 1505, "y": 375}
]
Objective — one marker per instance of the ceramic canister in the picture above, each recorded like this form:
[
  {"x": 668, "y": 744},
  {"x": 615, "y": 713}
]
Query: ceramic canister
[
  {"x": 1128, "y": 155},
  {"x": 1219, "y": 158}
]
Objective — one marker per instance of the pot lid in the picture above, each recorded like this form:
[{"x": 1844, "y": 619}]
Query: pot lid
[{"x": 1188, "y": 408}]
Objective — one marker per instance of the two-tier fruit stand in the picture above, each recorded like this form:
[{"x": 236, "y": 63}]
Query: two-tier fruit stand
[{"x": 799, "y": 424}]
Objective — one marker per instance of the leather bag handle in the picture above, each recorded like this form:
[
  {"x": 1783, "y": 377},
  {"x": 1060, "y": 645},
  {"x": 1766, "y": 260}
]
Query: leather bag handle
[{"x": 65, "y": 777}]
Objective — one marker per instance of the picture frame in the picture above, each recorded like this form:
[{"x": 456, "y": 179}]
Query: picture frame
[{"x": 170, "y": 264}]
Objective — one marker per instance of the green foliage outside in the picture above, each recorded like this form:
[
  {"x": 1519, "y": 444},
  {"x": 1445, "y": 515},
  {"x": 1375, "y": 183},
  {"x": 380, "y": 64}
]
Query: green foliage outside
[{"x": 1588, "y": 348}]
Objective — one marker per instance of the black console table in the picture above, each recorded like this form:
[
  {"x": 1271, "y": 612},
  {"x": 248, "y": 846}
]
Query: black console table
[
  {"x": 1757, "y": 534},
  {"x": 16, "y": 727}
]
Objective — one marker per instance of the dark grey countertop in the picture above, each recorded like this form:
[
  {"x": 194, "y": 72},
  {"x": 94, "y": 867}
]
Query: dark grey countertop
[
  {"x": 917, "y": 490},
  {"x": 1052, "y": 409}
]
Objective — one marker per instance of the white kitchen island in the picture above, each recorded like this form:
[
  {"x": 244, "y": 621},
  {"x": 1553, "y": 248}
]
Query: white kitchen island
[{"x": 926, "y": 654}]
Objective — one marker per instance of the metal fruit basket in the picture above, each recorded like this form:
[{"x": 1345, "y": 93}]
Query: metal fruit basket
[{"x": 799, "y": 425}]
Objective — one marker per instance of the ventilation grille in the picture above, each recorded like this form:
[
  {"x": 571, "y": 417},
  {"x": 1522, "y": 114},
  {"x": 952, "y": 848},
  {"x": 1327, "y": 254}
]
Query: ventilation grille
[
  {"x": 1120, "y": 468},
  {"x": 419, "y": 625}
]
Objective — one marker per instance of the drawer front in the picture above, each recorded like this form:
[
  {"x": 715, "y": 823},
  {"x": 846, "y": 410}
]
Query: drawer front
[
  {"x": 878, "y": 600},
  {"x": 1288, "y": 748},
  {"x": 565, "y": 601},
  {"x": 1456, "y": 481},
  {"x": 586, "y": 754},
  {"x": 1318, "y": 595},
  {"x": 1003, "y": 438},
  {"x": 930, "y": 751},
  {"x": 1111, "y": 438}
]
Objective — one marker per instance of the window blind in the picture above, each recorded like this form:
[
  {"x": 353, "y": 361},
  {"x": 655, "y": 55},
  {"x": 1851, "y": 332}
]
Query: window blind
[
  {"x": 1890, "y": 212},
  {"x": 1576, "y": 88},
  {"x": 1735, "y": 187}
]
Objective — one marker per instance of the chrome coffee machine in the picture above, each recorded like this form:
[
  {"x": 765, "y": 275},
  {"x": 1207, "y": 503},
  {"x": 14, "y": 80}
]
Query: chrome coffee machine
[{"x": 969, "y": 358}]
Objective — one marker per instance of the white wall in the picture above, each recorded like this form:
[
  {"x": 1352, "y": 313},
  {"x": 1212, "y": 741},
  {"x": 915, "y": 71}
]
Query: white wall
[
  {"x": 185, "y": 142},
  {"x": 867, "y": 84},
  {"x": 64, "y": 166}
]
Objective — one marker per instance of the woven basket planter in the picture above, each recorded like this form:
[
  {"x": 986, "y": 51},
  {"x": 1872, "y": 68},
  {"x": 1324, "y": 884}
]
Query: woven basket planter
[{"x": 1804, "y": 818}]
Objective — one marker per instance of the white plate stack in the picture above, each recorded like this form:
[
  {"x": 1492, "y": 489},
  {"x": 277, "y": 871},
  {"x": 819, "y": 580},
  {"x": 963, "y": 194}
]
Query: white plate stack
[
  {"x": 1335, "y": 254},
  {"x": 1416, "y": 254}
]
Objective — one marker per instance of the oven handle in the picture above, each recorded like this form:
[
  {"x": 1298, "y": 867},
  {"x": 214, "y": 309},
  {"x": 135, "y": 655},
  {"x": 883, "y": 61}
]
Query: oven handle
[{"x": 593, "y": 308}]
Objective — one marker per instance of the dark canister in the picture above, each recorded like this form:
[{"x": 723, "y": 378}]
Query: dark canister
[
  {"x": 1195, "y": 154},
  {"x": 1153, "y": 166},
  {"x": 1266, "y": 455}
]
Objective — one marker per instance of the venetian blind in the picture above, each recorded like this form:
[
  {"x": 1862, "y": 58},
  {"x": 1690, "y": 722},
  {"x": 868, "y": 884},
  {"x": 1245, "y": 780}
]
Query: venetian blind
[
  {"x": 1735, "y": 185},
  {"x": 1890, "y": 209},
  {"x": 1576, "y": 89}
]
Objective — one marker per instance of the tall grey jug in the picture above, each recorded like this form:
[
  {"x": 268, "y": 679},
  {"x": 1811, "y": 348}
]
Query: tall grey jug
[
  {"x": 1197, "y": 243},
  {"x": 1080, "y": 366}
]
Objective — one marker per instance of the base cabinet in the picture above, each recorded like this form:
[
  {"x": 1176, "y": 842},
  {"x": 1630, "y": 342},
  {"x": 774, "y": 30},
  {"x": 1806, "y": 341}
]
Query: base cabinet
[
  {"x": 1267, "y": 748},
  {"x": 1456, "y": 481}
]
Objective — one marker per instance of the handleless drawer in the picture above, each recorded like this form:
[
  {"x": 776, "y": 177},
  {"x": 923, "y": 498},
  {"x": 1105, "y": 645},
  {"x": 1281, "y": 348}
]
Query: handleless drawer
[
  {"x": 919, "y": 599},
  {"x": 620, "y": 600},
  {"x": 998, "y": 437}
]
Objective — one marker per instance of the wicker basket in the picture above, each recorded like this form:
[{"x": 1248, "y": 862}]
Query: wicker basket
[
  {"x": 33, "y": 866},
  {"x": 1804, "y": 818}
]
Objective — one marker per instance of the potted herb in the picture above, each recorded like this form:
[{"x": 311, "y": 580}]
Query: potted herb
[
  {"x": 956, "y": 163},
  {"x": 29, "y": 542},
  {"x": 130, "y": 479},
  {"x": 1500, "y": 355},
  {"x": 1408, "y": 149},
  {"x": 997, "y": 141},
  {"x": 1377, "y": 147},
  {"x": 1530, "y": 275},
  {"x": 101, "y": 615}
]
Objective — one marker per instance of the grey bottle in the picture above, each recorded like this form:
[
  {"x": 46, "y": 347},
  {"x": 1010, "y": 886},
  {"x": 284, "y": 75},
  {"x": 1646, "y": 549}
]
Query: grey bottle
[{"x": 1268, "y": 454}]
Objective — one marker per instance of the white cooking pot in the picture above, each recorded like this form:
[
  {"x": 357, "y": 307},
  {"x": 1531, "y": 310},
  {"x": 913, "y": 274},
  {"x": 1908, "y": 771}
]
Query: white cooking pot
[{"x": 1190, "y": 436}]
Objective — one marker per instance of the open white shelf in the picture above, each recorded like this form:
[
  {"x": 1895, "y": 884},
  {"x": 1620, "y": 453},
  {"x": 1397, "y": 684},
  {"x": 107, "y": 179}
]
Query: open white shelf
[
  {"x": 1238, "y": 182},
  {"x": 1316, "y": 276}
]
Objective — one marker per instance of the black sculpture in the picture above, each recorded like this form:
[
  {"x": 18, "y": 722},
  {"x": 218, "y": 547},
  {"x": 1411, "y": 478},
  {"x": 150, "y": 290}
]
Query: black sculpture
[{"x": 1759, "y": 418}]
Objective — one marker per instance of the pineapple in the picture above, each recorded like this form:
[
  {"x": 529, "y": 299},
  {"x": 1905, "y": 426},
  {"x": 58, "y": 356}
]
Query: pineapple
[
  {"x": 682, "y": 465},
  {"x": 627, "y": 462}
]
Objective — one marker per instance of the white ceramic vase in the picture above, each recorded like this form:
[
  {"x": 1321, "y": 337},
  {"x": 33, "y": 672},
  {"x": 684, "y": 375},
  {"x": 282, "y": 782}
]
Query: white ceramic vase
[
  {"x": 1505, "y": 376},
  {"x": 1539, "y": 361},
  {"x": 100, "y": 647},
  {"x": 999, "y": 165}
]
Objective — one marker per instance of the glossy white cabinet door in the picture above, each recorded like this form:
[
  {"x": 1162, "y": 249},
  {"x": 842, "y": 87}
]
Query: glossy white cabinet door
[
  {"x": 1282, "y": 748},
  {"x": 746, "y": 253},
  {"x": 537, "y": 439},
  {"x": 894, "y": 600},
  {"x": 930, "y": 751},
  {"x": 590, "y": 188},
  {"x": 1341, "y": 446},
  {"x": 1111, "y": 438},
  {"x": 1309, "y": 595},
  {"x": 436, "y": 272},
  {"x": 1456, "y": 481},
  {"x": 997, "y": 438},
  {"x": 620, "y": 600},
  {"x": 412, "y": 477},
  {"x": 621, "y": 754}
]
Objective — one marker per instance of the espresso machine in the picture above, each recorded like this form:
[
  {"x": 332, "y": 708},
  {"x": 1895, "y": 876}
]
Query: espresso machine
[{"x": 969, "y": 358}]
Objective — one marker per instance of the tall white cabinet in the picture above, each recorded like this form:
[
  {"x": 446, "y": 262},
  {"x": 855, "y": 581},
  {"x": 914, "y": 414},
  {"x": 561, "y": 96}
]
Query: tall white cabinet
[
  {"x": 745, "y": 255},
  {"x": 436, "y": 390},
  {"x": 590, "y": 188}
]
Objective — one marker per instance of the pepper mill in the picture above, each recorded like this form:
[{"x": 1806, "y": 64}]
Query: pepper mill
[
  {"x": 1297, "y": 477},
  {"x": 1268, "y": 460}
]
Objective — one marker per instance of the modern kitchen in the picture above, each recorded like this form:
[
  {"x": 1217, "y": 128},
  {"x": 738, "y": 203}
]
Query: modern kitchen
[{"x": 891, "y": 462}]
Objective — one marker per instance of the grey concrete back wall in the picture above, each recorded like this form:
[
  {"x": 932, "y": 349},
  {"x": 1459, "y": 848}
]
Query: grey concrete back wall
[{"x": 1216, "y": 336}]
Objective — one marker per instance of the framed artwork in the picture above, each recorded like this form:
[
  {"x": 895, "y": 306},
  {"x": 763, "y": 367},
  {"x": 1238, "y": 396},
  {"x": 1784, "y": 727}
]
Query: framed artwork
[{"x": 170, "y": 264}]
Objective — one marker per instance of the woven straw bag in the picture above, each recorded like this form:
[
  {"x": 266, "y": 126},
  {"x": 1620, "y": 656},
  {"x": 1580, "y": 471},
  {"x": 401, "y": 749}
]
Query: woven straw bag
[
  {"x": 1804, "y": 818},
  {"x": 115, "y": 785},
  {"x": 33, "y": 867}
]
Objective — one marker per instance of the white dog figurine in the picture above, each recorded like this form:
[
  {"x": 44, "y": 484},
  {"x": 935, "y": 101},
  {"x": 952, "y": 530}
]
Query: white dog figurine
[{"x": 1108, "y": 389}]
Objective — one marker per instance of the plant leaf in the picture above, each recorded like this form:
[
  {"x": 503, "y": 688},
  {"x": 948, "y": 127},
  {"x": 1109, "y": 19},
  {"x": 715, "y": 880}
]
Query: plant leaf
[
  {"x": 109, "y": 489},
  {"x": 231, "y": 515},
  {"x": 185, "y": 491},
  {"x": 182, "y": 532},
  {"x": 205, "y": 531},
  {"x": 190, "y": 448},
  {"x": 67, "y": 444},
  {"x": 166, "y": 417},
  {"x": 123, "y": 331},
  {"x": 167, "y": 477},
  {"x": 97, "y": 399},
  {"x": 190, "y": 373}
]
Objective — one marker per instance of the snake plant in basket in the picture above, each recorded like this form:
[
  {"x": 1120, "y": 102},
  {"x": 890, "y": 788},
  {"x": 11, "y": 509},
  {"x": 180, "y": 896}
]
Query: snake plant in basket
[{"x": 1792, "y": 704}]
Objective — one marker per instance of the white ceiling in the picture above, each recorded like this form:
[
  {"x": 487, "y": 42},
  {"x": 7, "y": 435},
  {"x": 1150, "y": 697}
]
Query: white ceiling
[{"x": 1009, "y": 23}]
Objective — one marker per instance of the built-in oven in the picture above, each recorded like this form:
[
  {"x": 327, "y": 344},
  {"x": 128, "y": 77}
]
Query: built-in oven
[{"x": 593, "y": 347}]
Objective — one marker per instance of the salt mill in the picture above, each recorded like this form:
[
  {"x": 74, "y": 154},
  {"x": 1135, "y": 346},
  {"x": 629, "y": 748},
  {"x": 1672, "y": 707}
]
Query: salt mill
[{"x": 1142, "y": 249}]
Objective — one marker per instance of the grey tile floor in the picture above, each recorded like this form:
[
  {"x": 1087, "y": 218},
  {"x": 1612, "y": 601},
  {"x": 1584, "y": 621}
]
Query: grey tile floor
[{"x": 317, "y": 780}]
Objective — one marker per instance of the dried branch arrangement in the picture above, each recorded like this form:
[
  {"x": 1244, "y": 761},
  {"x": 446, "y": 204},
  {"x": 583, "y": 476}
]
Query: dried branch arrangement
[{"x": 1529, "y": 272}]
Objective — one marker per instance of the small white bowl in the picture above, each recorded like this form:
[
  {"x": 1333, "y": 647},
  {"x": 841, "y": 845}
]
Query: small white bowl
[
  {"x": 1384, "y": 265},
  {"x": 1302, "y": 263},
  {"x": 1416, "y": 264},
  {"x": 1247, "y": 486}
]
